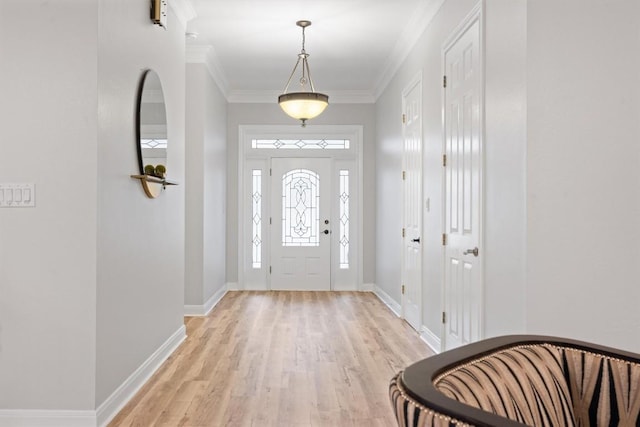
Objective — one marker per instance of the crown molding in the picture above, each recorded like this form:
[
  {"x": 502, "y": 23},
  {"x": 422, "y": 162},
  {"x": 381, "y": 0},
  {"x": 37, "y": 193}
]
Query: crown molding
[
  {"x": 271, "y": 96},
  {"x": 407, "y": 41},
  {"x": 205, "y": 54},
  {"x": 183, "y": 10},
  {"x": 352, "y": 97}
]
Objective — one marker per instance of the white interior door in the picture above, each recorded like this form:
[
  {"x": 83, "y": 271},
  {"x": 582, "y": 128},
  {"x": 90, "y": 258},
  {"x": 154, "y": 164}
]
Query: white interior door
[
  {"x": 412, "y": 200},
  {"x": 463, "y": 276},
  {"x": 300, "y": 224}
]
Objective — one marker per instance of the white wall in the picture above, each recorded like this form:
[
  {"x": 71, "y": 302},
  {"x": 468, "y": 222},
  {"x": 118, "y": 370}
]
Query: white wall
[
  {"x": 583, "y": 164},
  {"x": 387, "y": 185},
  {"x": 504, "y": 185},
  {"x": 505, "y": 167},
  {"x": 140, "y": 276},
  {"x": 92, "y": 278},
  {"x": 206, "y": 186},
  {"x": 335, "y": 114},
  {"x": 194, "y": 190},
  {"x": 48, "y": 136}
]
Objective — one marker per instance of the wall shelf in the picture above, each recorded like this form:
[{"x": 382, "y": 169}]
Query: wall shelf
[
  {"x": 152, "y": 184},
  {"x": 155, "y": 179}
]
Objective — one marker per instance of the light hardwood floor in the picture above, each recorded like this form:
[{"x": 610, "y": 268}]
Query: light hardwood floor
[{"x": 281, "y": 359}]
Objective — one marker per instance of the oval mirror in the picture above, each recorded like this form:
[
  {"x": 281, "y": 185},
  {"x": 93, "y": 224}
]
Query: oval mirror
[{"x": 152, "y": 133}]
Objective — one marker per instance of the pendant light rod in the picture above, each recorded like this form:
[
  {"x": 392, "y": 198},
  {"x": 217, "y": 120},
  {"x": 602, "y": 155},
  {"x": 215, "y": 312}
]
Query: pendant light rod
[
  {"x": 303, "y": 55},
  {"x": 303, "y": 105},
  {"x": 305, "y": 64},
  {"x": 286, "y": 88}
]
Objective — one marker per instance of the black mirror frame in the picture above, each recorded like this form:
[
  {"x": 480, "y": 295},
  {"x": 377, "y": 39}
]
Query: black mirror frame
[{"x": 141, "y": 81}]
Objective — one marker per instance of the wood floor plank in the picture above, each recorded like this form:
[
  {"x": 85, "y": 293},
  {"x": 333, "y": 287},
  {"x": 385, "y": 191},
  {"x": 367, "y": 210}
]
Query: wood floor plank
[{"x": 281, "y": 359}]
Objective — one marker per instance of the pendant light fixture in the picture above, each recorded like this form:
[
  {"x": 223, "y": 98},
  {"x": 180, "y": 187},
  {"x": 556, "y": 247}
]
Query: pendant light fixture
[{"x": 303, "y": 105}]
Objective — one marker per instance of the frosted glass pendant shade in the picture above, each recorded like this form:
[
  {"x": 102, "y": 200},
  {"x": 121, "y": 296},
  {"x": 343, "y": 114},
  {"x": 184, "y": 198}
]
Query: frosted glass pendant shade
[{"x": 303, "y": 105}]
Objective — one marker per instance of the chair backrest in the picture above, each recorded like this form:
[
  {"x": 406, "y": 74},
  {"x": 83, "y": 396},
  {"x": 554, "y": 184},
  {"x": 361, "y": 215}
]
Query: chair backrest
[
  {"x": 524, "y": 383},
  {"x": 605, "y": 390}
]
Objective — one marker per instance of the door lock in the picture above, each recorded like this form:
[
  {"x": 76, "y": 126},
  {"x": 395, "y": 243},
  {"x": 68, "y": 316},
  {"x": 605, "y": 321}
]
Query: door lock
[
  {"x": 326, "y": 231},
  {"x": 473, "y": 251},
  {"x": 416, "y": 240}
]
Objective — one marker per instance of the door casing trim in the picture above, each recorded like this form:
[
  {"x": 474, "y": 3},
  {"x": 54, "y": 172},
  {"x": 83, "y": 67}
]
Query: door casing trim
[{"x": 355, "y": 153}]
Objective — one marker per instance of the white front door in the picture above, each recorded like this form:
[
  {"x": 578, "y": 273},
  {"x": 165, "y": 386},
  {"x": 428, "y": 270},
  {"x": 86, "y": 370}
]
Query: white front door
[
  {"x": 412, "y": 201},
  {"x": 463, "y": 132},
  {"x": 300, "y": 224}
]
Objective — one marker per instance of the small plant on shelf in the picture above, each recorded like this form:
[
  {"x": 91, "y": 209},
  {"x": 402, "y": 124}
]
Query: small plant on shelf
[{"x": 160, "y": 171}]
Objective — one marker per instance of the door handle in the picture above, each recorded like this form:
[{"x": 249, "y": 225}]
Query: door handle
[
  {"x": 326, "y": 231},
  {"x": 473, "y": 251},
  {"x": 416, "y": 240}
]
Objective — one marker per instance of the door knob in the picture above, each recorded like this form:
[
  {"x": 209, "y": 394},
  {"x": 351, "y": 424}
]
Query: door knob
[
  {"x": 326, "y": 231},
  {"x": 473, "y": 251},
  {"x": 416, "y": 240}
]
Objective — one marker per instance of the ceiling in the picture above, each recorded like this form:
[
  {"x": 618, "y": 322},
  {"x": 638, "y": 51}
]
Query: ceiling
[{"x": 354, "y": 45}]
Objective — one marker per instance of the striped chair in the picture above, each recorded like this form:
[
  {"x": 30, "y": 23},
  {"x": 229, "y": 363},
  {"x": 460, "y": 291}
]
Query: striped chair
[{"x": 520, "y": 380}]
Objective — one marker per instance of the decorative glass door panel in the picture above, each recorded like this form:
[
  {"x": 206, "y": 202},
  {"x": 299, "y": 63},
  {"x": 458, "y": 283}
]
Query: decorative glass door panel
[
  {"x": 300, "y": 224},
  {"x": 300, "y": 200}
]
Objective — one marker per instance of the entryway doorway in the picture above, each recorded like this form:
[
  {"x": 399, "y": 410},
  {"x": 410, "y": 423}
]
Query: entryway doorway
[
  {"x": 300, "y": 224},
  {"x": 300, "y": 198}
]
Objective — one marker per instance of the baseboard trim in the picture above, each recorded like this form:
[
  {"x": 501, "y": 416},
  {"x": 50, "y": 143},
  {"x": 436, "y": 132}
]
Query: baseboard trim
[
  {"x": 252, "y": 287},
  {"x": 114, "y": 403},
  {"x": 45, "y": 418},
  {"x": 368, "y": 287},
  {"x": 432, "y": 340},
  {"x": 351, "y": 287},
  {"x": 233, "y": 286},
  {"x": 204, "y": 309},
  {"x": 388, "y": 301}
]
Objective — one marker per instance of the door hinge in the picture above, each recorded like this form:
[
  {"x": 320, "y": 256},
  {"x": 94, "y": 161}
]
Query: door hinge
[
  {"x": 402, "y": 289},
  {"x": 444, "y": 317},
  {"x": 444, "y": 81},
  {"x": 404, "y": 175},
  {"x": 403, "y": 232},
  {"x": 404, "y": 119},
  {"x": 444, "y": 160},
  {"x": 269, "y": 171},
  {"x": 444, "y": 239},
  {"x": 269, "y": 269}
]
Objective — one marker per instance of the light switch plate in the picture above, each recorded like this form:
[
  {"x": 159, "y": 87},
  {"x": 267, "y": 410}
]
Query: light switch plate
[{"x": 17, "y": 195}]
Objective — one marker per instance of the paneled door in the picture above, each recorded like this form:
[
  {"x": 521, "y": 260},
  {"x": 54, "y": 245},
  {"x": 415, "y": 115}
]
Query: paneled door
[
  {"x": 300, "y": 224},
  {"x": 412, "y": 204},
  {"x": 463, "y": 139}
]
